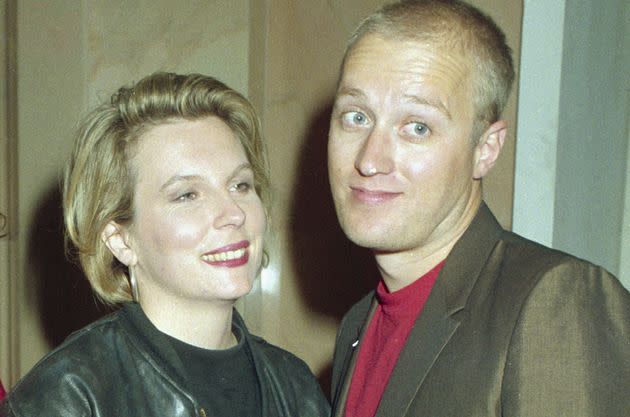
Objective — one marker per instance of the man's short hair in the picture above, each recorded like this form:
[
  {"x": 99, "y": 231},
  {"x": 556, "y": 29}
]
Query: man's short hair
[
  {"x": 451, "y": 23},
  {"x": 99, "y": 181}
]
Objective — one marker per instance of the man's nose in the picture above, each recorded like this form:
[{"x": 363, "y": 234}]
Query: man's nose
[{"x": 376, "y": 155}]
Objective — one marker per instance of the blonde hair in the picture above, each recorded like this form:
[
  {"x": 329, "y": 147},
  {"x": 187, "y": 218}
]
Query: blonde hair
[
  {"x": 98, "y": 183},
  {"x": 453, "y": 23}
]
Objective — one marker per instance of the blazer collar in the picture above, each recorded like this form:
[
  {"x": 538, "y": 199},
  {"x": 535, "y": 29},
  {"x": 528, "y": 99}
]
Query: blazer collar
[{"x": 467, "y": 258}]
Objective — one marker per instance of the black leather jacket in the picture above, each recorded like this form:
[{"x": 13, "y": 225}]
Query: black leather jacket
[{"x": 113, "y": 368}]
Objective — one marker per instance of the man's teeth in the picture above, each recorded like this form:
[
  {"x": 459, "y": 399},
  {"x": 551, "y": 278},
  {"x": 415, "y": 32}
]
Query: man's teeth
[{"x": 224, "y": 256}]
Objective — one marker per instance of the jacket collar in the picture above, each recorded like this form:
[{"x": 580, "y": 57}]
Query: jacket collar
[{"x": 158, "y": 350}]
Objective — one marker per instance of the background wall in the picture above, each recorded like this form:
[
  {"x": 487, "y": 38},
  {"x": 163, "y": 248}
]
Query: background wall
[
  {"x": 572, "y": 172},
  {"x": 284, "y": 55},
  {"x": 8, "y": 185}
]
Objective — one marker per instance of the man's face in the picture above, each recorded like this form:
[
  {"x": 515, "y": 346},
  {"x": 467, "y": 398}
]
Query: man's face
[{"x": 401, "y": 158}]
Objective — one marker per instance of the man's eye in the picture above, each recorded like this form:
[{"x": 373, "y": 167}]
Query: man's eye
[
  {"x": 416, "y": 129},
  {"x": 354, "y": 118}
]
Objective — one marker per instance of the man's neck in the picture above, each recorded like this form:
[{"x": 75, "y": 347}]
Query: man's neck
[{"x": 400, "y": 269}]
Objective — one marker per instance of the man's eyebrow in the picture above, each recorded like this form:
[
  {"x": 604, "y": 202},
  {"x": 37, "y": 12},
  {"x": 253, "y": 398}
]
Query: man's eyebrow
[
  {"x": 352, "y": 92},
  {"x": 437, "y": 104}
]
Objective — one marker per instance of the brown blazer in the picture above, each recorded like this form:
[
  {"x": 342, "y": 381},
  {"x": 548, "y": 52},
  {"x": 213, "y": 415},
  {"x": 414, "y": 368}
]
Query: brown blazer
[{"x": 511, "y": 328}]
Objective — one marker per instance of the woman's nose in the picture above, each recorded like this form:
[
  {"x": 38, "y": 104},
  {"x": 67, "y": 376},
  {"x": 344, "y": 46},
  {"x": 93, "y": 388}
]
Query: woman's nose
[{"x": 230, "y": 214}]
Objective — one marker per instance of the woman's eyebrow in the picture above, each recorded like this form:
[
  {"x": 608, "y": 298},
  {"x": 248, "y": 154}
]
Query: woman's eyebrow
[{"x": 180, "y": 178}]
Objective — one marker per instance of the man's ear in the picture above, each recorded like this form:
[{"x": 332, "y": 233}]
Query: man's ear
[
  {"x": 488, "y": 149},
  {"x": 116, "y": 238}
]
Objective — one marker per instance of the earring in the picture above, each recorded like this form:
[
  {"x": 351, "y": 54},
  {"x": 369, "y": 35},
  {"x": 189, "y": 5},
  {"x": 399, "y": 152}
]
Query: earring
[{"x": 133, "y": 283}]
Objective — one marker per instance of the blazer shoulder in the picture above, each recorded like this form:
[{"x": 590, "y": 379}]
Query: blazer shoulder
[
  {"x": 526, "y": 260},
  {"x": 574, "y": 320},
  {"x": 530, "y": 255},
  {"x": 536, "y": 255}
]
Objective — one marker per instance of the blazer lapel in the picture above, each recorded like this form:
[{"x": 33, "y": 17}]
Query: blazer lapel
[
  {"x": 442, "y": 314},
  {"x": 350, "y": 362},
  {"x": 428, "y": 337}
]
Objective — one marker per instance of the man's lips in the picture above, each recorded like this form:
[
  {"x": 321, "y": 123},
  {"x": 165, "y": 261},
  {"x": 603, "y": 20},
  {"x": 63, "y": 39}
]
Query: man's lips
[
  {"x": 235, "y": 254},
  {"x": 373, "y": 196}
]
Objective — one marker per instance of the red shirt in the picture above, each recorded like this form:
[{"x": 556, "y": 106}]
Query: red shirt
[
  {"x": 383, "y": 341},
  {"x": 2, "y": 392}
]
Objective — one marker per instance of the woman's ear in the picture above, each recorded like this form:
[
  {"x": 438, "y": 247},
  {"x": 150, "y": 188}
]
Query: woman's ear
[
  {"x": 488, "y": 149},
  {"x": 116, "y": 238}
]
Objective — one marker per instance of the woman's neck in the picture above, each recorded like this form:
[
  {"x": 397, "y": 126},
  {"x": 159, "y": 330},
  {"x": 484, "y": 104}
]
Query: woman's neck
[{"x": 202, "y": 324}]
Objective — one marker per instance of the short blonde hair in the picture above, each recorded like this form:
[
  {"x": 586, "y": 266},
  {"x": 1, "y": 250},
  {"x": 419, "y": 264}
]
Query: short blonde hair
[
  {"x": 98, "y": 183},
  {"x": 451, "y": 22}
]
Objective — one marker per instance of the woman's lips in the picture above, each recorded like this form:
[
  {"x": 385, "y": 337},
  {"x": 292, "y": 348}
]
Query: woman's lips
[{"x": 232, "y": 255}]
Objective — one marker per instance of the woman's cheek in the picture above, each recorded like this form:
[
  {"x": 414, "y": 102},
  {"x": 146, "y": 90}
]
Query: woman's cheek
[{"x": 184, "y": 231}]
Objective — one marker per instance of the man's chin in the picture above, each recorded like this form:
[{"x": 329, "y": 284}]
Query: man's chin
[{"x": 376, "y": 241}]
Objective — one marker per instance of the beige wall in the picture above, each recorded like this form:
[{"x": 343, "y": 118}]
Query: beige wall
[
  {"x": 7, "y": 190},
  {"x": 285, "y": 55}
]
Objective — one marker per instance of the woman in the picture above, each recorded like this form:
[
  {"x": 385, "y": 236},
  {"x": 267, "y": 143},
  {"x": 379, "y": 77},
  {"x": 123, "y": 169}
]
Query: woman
[{"x": 164, "y": 200}]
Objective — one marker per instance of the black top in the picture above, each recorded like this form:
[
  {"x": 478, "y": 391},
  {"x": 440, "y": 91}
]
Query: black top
[{"x": 223, "y": 381}]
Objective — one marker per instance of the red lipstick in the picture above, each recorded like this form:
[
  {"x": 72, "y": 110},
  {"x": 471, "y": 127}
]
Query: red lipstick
[{"x": 231, "y": 256}]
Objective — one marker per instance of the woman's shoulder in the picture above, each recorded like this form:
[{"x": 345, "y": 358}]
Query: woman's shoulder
[
  {"x": 274, "y": 353},
  {"x": 86, "y": 340},
  {"x": 79, "y": 362}
]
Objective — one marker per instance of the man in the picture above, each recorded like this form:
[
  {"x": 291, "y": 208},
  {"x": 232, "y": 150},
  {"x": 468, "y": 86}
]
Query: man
[{"x": 468, "y": 319}]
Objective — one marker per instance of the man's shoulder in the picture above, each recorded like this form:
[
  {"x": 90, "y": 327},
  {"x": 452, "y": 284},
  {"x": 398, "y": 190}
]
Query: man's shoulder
[
  {"x": 526, "y": 253},
  {"x": 536, "y": 268},
  {"x": 521, "y": 253}
]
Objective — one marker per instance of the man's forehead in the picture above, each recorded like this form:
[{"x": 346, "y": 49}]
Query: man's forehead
[
  {"x": 413, "y": 70},
  {"x": 410, "y": 54}
]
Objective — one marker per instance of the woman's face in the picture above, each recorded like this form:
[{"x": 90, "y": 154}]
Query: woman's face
[{"x": 198, "y": 225}]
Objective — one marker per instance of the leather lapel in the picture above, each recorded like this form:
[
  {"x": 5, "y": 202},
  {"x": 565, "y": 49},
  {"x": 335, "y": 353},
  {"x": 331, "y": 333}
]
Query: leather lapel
[{"x": 442, "y": 314}]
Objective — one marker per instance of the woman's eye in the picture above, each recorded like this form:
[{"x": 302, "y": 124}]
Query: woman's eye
[
  {"x": 243, "y": 187},
  {"x": 416, "y": 129},
  {"x": 188, "y": 196},
  {"x": 355, "y": 118}
]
